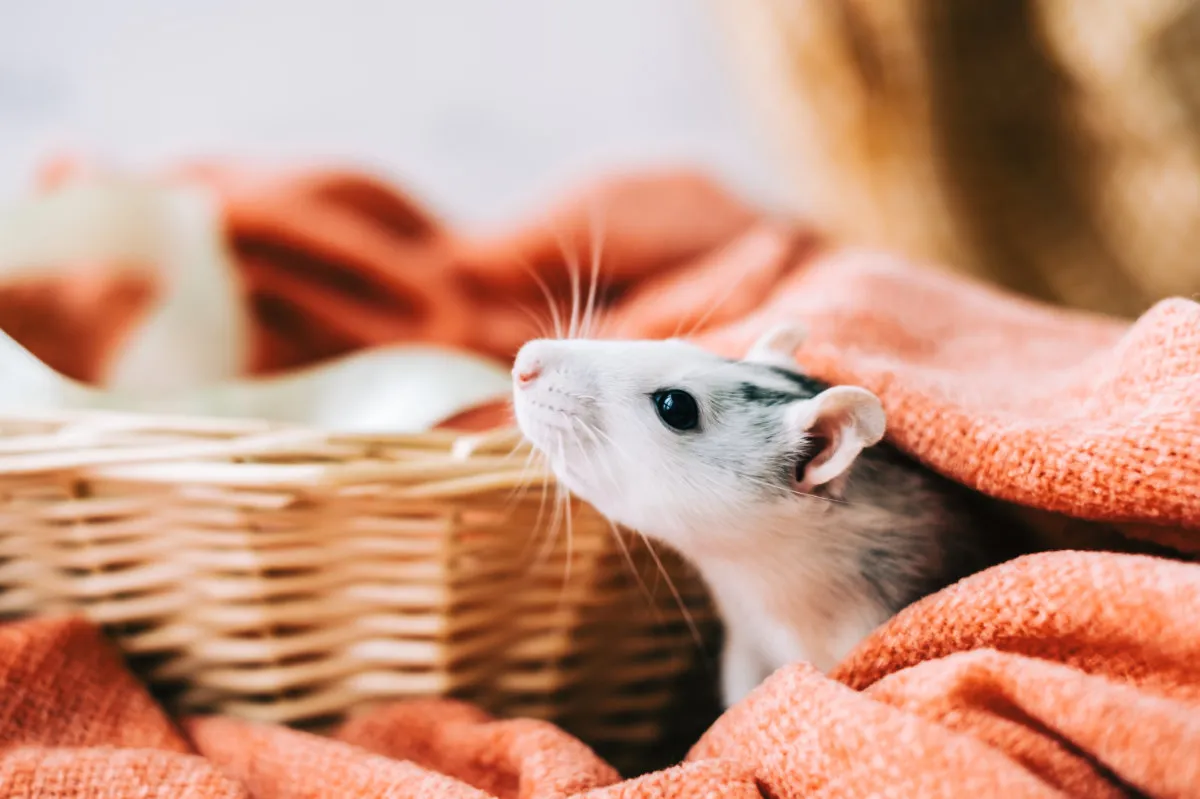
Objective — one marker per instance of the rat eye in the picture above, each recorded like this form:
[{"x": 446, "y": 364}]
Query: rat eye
[{"x": 677, "y": 408}]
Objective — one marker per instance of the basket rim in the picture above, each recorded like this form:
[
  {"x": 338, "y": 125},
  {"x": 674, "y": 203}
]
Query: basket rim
[{"x": 168, "y": 448}]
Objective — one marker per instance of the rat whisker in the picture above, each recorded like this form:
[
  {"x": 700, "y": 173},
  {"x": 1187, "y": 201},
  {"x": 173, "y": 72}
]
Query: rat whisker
[
  {"x": 546, "y": 553},
  {"x": 617, "y": 535},
  {"x": 576, "y": 309},
  {"x": 593, "y": 432},
  {"x": 570, "y": 529},
  {"x": 551, "y": 303},
  {"x": 555, "y": 518},
  {"x": 637, "y": 573},
  {"x": 521, "y": 489},
  {"x": 759, "y": 481},
  {"x": 521, "y": 442},
  {"x": 661, "y": 568},
  {"x": 713, "y": 306},
  {"x": 530, "y": 467},
  {"x": 571, "y": 263},
  {"x": 602, "y": 309},
  {"x": 600, "y": 322},
  {"x": 589, "y": 309},
  {"x": 754, "y": 479},
  {"x": 541, "y": 327},
  {"x": 612, "y": 477},
  {"x": 688, "y": 619},
  {"x": 541, "y": 513},
  {"x": 834, "y": 500},
  {"x": 596, "y": 236}
]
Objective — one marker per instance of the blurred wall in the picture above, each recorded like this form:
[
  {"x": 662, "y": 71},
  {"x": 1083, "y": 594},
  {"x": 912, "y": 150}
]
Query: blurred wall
[{"x": 481, "y": 106}]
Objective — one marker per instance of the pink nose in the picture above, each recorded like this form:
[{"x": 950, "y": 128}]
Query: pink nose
[
  {"x": 527, "y": 367},
  {"x": 527, "y": 374},
  {"x": 530, "y": 363}
]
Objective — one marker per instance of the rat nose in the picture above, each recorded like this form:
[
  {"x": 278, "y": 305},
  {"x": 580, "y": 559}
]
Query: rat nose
[
  {"x": 529, "y": 363},
  {"x": 528, "y": 374}
]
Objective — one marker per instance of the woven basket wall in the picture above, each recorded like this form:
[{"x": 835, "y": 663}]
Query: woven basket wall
[{"x": 286, "y": 575}]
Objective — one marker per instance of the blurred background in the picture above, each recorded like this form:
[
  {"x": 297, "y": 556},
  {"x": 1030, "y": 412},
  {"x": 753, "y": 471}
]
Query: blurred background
[
  {"x": 1051, "y": 148},
  {"x": 480, "y": 107}
]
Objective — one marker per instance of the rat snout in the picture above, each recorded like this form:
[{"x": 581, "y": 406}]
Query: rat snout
[
  {"x": 553, "y": 394},
  {"x": 527, "y": 373},
  {"x": 530, "y": 362}
]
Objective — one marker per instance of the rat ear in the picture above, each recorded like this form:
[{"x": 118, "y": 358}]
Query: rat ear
[
  {"x": 841, "y": 421},
  {"x": 777, "y": 347}
]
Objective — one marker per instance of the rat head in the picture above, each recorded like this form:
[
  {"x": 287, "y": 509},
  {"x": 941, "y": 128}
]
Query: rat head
[{"x": 682, "y": 444}]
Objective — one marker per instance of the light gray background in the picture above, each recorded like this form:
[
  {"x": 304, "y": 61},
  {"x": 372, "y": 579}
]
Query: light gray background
[{"x": 480, "y": 106}]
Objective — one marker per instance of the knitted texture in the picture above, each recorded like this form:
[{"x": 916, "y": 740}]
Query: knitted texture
[{"x": 1059, "y": 674}]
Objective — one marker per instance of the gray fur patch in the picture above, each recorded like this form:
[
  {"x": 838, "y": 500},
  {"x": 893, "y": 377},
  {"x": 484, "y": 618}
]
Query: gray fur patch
[
  {"x": 807, "y": 386},
  {"x": 755, "y": 406},
  {"x": 761, "y": 395},
  {"x": 930, "y": 541}
]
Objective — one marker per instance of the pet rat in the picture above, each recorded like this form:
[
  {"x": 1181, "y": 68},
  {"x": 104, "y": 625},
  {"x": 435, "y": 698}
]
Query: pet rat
[{"x": 807, "y": 528}]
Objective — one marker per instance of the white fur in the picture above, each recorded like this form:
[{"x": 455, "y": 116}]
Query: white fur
[
  {"x": 778, "y": 345},
  {"x": 782, "y": 566}
]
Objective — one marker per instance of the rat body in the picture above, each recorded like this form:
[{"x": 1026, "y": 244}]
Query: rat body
[{"x": 808, "y": 531}]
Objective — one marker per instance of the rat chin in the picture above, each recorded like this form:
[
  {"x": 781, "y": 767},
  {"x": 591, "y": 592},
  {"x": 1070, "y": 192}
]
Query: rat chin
[
  {"x": 539, "y": 425},
  {"x": 556, "y": 442}
]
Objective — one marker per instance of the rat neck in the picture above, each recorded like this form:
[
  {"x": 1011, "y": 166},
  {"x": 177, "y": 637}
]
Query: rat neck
[
  {"x": 891, "y": 532},
  {"x": 795, "y": 590}
]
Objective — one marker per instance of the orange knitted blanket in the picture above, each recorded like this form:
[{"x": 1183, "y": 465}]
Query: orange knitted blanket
[{"x": 1069, "y": 673}]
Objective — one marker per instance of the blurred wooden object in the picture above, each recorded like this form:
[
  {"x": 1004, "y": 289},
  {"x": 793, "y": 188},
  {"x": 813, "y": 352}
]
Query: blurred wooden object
[{"x": 1050, "y": 147}]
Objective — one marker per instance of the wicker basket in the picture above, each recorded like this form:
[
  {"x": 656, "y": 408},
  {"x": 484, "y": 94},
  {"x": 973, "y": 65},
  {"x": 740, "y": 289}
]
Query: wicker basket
[{"x": 287, "y": 575}]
